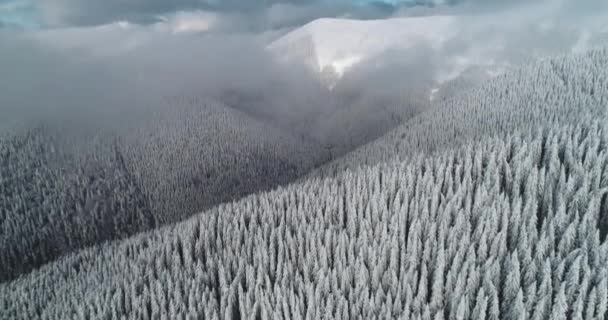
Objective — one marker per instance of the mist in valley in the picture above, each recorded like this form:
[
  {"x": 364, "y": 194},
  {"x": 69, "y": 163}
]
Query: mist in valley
[
  {"x": 125, "y": 68},
  {"x": 198, "y": 128}
]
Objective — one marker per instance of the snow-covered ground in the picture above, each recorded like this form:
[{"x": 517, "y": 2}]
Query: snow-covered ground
[
  {"x": 447, "y": 46},
  {"x": 333, "y": 47},
  {"x": 340, "y": 44}
]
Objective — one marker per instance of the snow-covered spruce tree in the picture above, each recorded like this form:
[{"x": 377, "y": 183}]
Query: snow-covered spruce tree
[
  {"x": 196, "y": 153},
  {"x": 550, "y": 92},
  {"x": 506, "y": 228},
  {"x": 53, "y": 201},
  {"x": 63, "y": 189}
]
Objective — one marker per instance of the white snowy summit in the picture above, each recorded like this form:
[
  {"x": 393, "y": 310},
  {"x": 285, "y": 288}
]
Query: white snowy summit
[{"x": 332, "y": 46}]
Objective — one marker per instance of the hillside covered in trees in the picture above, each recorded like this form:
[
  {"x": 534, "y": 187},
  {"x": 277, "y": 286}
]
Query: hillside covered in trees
[
  {"x": 505, "y": 229},
  {"x": 549, "y": 92},
  {"x": 62, "y": 190},
  {"x": 493, "y": 206}
]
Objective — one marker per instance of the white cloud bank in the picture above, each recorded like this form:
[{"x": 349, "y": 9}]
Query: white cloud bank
[{"x": 125, "y": 64}]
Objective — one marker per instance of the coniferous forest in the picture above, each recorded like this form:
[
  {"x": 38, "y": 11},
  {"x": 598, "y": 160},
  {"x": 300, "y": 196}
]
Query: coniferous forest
[
  {"x": 61, "y": 191},
  {"x": 491, "y": 205}
]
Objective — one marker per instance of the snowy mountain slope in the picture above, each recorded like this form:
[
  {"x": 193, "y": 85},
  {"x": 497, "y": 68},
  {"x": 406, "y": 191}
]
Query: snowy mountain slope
[
  {"x": 211, "y": 154},
  {"x": 335, "y": 45},
  {"x": 365, "y": 56},
  {"x": 362, "y": 116},
  {"x": 62, "y": 189},
  {"x": 500, "y": 229},
  {"x": 556, "y": 90}
]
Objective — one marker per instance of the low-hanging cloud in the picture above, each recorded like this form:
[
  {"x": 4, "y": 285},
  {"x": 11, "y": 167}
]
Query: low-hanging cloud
[
  {"x": 120, "y": 68},
  {"x": 254, "y": 15},
  {"x": 242, "y": 15},
  {"x": 62, "y": 74}
]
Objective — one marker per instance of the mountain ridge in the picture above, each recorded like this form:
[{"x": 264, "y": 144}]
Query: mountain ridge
[
  {"x": 334, "y": 45},
  {"x": 557, "y": 85}
]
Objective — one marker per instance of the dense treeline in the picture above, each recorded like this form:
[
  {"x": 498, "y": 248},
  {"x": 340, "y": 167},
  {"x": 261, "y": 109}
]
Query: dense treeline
[
  {"x": 189, "y": 160},
  {"x": 361, "y": 115},
  {"x": 64, "y": 189},
  {"x": 511, "y": 228},
  {"x": 549, "y": 92},
  {"x": 53, "y": 201}
]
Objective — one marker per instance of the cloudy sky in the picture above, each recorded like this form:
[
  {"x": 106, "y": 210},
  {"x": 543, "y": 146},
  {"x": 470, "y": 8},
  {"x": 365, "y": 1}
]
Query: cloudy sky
[
  {"x": 251, "y": 14},
  {"x": 241, "y": 15},
  {"x": 75, "y": 51},
  {"x": 61, "y": 13}
]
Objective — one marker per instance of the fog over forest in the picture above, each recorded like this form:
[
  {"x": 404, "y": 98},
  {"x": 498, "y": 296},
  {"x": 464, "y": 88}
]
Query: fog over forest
[
  {"x": 72, "y": 69},
  {"x": 304, "y": 159}
]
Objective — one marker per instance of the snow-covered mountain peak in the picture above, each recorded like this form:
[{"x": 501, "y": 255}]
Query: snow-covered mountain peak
[{"x": 335, "y": 45}]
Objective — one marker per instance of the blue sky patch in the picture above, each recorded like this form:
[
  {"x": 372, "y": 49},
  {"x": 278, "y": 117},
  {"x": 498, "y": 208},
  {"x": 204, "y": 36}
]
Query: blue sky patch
[{"x": 18, "y": 13}]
